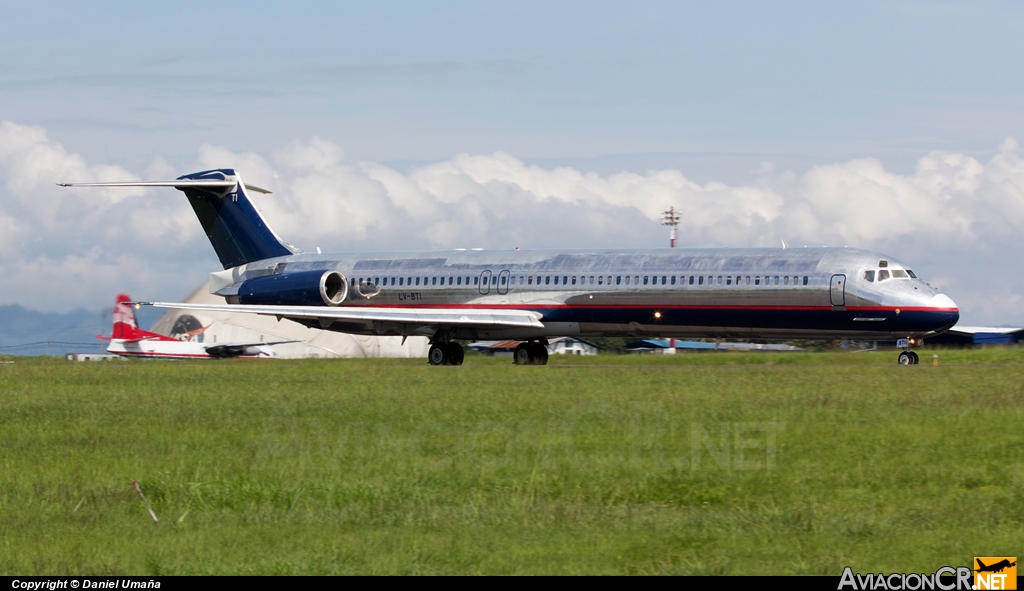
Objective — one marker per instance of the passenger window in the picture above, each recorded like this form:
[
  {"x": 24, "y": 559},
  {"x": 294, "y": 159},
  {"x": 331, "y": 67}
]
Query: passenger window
[
  {"x": 645, "y": 279},
  {"x": 728, "y": 280},
  {"x": 700, "y": 280},
  {"x": 663, "y": 280},
  {"x": 529, "y": 280},
  {"x": 636, "y": 280},
  {"x": 503, "y": 279},
  {"x": 574, "y": 280},
  {"x": 757, "y": 280},
  {"x": 476, "y": 281},
  {"x": 719, "y": 280},
  {"x": 691, "y": 279},
  {"x": 556, "y": 279},
  {"x": 785, "y": 280},
  {"x": 600, "y": 280},
  {"x": 458, "y": 281},
  {"x": 883, "y": 275},
  {"x": 494, "y": 279},
  {"x": 433, "y": 281},
  {"x": 609, "y": 280},
  {"x": 618, "y": 279},
  {"x": 747, "y": 280},
  {"x": 400, "y": 281},
  {"x": 627, "y": 279},
  {"x": 451, "y": 280},
  {"x": 775, "y": 280},
  {"x": 547, "y": 280},
  {"x": 869, "y": 276},
  {"x": 417, "y": 281},
  {"x": 673, "y": 280},
  {"x": 805, "y": 279}
]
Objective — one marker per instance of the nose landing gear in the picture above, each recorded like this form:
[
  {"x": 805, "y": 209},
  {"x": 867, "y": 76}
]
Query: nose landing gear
[
  {"x": 907, "y": 357},
  {"x": 531, "y": 353}
]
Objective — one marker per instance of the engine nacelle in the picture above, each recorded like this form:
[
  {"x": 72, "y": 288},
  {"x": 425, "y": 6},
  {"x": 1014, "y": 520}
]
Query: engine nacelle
[{"x": 303, "y": 288}]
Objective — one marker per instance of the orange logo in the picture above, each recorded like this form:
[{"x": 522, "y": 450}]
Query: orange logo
[{"x": 995, "y": 572}]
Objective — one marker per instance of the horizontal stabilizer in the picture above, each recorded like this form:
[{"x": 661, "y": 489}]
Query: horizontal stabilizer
[
  {"x": 366, "y": 314},
  {"x": 177, "y": 184}
]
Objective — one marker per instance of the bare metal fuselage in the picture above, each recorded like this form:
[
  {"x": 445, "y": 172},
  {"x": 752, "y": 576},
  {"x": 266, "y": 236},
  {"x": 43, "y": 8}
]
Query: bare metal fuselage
[{"x": 813, "y": 293}]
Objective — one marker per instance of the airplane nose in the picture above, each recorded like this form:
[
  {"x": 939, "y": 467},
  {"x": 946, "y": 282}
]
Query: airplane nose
[{"x": 944, "y": 302}]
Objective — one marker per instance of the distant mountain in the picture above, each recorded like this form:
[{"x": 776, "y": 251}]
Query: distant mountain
[{"x": 27, "y": 332}]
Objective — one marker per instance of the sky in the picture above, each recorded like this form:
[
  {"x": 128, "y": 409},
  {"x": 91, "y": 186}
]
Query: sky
[{"x": 891, "y": 126}]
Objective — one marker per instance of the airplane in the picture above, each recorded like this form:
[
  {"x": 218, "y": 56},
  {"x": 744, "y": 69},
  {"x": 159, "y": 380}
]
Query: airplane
[
  {"x": 752, "y": 293},
  {"x": 128, "y": 340},
  {"x": 994, "y": 568}
]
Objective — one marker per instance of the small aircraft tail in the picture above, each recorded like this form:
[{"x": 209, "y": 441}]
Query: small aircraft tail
[
  {"x": 125, "y": 326},
  {"x": 237, "y": 231}
]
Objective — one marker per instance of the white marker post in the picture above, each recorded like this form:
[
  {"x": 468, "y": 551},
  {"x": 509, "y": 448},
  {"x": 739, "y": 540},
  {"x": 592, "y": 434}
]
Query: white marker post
[{"x": 151, "y": 513}]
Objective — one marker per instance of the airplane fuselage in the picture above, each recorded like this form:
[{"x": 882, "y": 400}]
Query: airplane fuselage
[
  {"x": 814, "y": 293},
  {"x": 174, "y": 349}
]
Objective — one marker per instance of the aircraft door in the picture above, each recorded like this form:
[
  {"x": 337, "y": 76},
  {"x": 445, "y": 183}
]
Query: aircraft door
[
  {"x": 485, "y": 282},
  {"x": 838, "y": 290},
  {"x": 504, "y": 278}
]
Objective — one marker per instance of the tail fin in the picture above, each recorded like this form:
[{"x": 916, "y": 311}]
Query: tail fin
[
  {"x": 235, "y": 228},
  {"x": 125, "y": 326}
]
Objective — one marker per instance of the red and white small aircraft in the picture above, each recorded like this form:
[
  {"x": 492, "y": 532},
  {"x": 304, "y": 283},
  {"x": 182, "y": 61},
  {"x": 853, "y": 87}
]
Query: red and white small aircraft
[{"x": 129, "y": 340}]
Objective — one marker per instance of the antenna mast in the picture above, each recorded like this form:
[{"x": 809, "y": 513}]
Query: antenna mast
[{"x": 671, "y": 218}]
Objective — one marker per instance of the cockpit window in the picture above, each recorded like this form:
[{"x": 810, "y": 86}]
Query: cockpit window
[
  {"x": 899, "y": 274},
  {"x": 883, "y": 264},
  {"x": 869, "y": 275},
  {"x": 883, "y": 275},
  {"x": 911, "y": 273}
]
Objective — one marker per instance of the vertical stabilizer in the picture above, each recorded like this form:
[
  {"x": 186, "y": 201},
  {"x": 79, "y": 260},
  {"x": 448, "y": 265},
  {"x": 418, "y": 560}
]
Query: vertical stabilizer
[
  {"x": 125, "y": 326},
  {"x": 236, "y": 229}
]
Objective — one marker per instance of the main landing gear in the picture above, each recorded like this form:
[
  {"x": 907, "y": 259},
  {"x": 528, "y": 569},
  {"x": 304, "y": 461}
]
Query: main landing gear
[
  {"x": 531, "y": 353},
  {"x": 449, "y": 353},
  {"x": 907, "y": 357}
]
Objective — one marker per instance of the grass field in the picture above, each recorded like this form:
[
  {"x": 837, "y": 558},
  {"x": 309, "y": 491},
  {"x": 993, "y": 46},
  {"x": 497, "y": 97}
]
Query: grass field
[{"x": 693, "y": 464}]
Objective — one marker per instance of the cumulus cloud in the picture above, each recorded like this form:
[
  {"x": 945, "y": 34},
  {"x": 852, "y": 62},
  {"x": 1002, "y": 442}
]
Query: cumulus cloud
[{"x": 954, "y": 216}]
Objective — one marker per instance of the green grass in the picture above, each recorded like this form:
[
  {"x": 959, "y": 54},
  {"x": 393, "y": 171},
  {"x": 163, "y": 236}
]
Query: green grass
[{"x": 584, "y": 466}]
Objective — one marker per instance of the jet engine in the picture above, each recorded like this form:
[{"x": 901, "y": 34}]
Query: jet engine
[{"x": 302, "y": 288}]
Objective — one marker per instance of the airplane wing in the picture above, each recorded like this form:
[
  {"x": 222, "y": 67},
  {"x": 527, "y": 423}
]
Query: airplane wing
[
  {"x": 236, "y": 349},
  {"x": 367, "y": 315}
]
